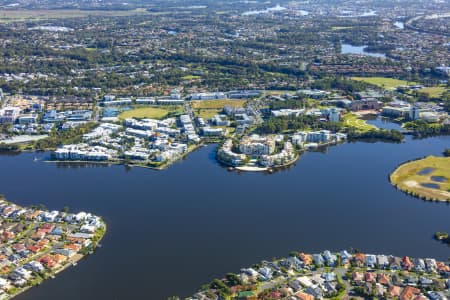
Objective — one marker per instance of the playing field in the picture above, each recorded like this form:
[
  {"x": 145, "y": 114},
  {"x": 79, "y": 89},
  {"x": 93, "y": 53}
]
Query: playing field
[
  {"x": 433, "y": 92},
  {"x": 207, "y": 109},
  {"x": 217, "y": 104},
  {"x": 384, "y": 82},
  {"x": 150, "y": 112}
]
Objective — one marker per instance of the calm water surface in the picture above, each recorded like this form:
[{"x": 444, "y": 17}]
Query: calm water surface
[
  {"x": 399, "y": 25},
  {"x": 171, "y": 231},
  {"x": 384, "y": 123},
  {"x": 350, "y": 49}
]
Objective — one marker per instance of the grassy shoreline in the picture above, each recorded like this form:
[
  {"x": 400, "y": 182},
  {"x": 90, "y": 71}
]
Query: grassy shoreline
[{"x": 416, "y": 177}]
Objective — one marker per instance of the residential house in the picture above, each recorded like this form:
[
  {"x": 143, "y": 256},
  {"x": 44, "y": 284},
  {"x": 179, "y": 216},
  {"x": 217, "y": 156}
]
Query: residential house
[{"x": 409, "y": 293}]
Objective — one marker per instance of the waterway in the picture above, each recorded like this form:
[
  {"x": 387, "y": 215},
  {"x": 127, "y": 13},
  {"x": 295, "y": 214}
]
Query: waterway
[
  {"x": 277, "y": 8},
  {"x": 399, "y": 25},
  {"x": 350, "y": 49},
  {"x": 382, "y": 122},
  {"x": 171, "y": 231}
]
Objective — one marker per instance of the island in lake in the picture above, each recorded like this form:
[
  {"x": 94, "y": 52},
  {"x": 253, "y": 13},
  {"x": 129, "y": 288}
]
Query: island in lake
[
  {"x": 341, "y": 275},
  {"x": 428, "y": 178},
  {"x": 37, "y": 244}
]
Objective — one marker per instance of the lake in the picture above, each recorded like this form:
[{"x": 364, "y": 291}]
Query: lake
[
  {"x": 276, "y": 8},
  {"x": 350, "y": 49},
  {"x": 399, "y": 25},
  {"x": 382, "y": 122},
  {"x": 171, "y": 231}
]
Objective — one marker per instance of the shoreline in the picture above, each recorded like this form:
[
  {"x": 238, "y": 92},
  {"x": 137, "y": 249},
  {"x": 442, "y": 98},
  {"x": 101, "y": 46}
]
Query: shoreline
[
  {"x": 410, "y": 186},
  {"x": 69, "y": 224},
  {"x": 122, "y": 162},
  {"x": 326, "y": 275}
]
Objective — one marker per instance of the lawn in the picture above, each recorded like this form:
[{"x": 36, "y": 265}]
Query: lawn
[
  {"x": 206, "y": 113},
  {"x": 191, "y": 77},
  {"x": 150, "y": 112},
  {"x": 384, "y": 82},
  {"x": 351, "y": 120},
  {"x": 279, "y": 92},
  {"x": 433, "y": 170},
  {"x": 340, "y": 27},
  {"x": 207, "y": 109},
  {"x": 217, "y": 104},
  {"x": 433, "y": 92}
]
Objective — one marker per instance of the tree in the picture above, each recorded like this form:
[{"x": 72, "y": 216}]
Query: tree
[
  {"x": 233, "y": 279},
  {"x": 447, "y": 152}
]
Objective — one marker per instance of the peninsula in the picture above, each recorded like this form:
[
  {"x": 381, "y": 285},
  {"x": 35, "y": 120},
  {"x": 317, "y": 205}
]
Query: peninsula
[
  {"x": 427, "y": 178},
  {"x": 37, "y": 244}
]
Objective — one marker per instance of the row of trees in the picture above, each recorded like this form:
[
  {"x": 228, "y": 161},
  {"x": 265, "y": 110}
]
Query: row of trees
[
  {"x": 59, "y": 137},
  {"x": 284, "y": 124},
  {"x": 376, "y": 134},
  {"x": 292, "y": 123},
  {"x": 340, "y": 83},
  {"x": 422, "y": 128}
]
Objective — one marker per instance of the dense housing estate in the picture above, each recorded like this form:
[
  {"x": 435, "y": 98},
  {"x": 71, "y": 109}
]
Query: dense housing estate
[
  {"x": 304, "y": 276},
  {"x": 158, "y": 142},
  {"x": 35, "y": 244},
  {"x": 144, "y": 83}
]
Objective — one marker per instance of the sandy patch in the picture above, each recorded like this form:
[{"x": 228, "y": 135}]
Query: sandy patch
[{"x": 411, "y": 183}]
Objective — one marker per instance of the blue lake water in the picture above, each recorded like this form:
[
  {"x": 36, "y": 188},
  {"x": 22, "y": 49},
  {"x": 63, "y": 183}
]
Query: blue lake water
[
  {"x": 350, "y": 49},
  {"x": 384, "y": 123},
  {"x": 431, "y": 185},
  {"x": 171, "y": 231},
  {"x": 399, "y": 25},
  {"x": 439, "y": 178},
  {"x": 426, "y": 171}
]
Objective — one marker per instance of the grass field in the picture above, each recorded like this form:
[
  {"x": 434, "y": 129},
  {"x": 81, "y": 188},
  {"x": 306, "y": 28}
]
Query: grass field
[
  {"x": 217, "y": 104},
  {"x": 383, "y": 82},
  {"x": 433, "y": 92},
  {"x": 207, "y": 109},
  {"x": 410, "y": 176},
  {"x": 150, "y": 112},
  {"x": 279, "y": 92},
  {"x": 341, "y": 27},
  {"x": 42, "y": 14},
  {"x": 206, "y": 113},
  {"x": 351, "y": 120},
  {"x": 191, "y": 77}
]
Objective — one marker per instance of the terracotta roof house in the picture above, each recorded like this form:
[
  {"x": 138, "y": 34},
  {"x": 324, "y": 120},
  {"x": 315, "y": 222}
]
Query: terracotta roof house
[
  {"x": 360, "y": 259},
  {"x": 304, "y": 296},
  {"x": 394, "y": 291},
  {"x": 357, "y": 276},
  {"x": 409, "y": 293},
  {"x": 383, "y": 279},
  {"x": 442, "y": 267},
  {"x": 370, "y": 277},
  {"x": 407, "y": 263},
  {"x": 306, "y": 258}
]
